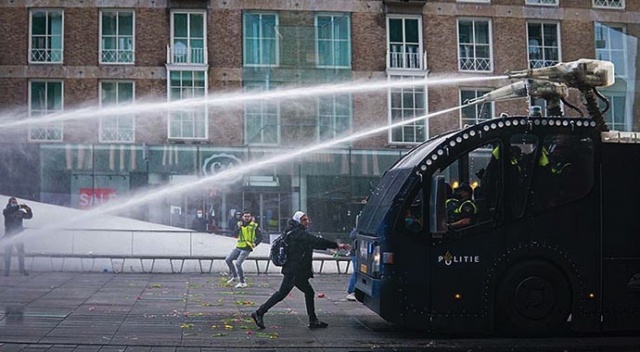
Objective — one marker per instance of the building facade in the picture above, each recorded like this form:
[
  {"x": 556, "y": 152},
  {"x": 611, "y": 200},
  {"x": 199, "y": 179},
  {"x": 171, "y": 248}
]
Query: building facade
[{"x": 106, "y": 100}]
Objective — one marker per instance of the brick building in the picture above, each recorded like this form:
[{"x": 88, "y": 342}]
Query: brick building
[{"x": 82, "y": 59}]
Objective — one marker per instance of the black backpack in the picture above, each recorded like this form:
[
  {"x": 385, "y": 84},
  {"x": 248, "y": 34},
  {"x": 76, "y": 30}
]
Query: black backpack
[{"x": 279, "y": 249}]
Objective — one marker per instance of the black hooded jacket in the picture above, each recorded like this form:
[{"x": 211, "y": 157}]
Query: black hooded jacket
[
  {"x": 300, "y": 250},
  {"x": 13, "y": 218}
]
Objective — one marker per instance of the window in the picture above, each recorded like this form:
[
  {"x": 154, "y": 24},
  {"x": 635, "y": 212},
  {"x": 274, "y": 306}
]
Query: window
[
  {"x": 542, "y": 2},
  {"x": 46, "y": 42},
  {"x": 187, "y": 123},
  {"x": 118, "y": 128},
  {"x": 45, "y": 97},
  {"x": 404, "y": 37},
  {"x": 261, "y": 47},
  {"x": 615, "y": 4},
  {"x": 564, "y": 171},
  {"x": 334, "y": 116},
  {"x": 544, "y": 49},
  {"x": 116, "y": 37},
  {"x": 188, "y": 38},
  {"x": 611, "y": 46},
  {"x": 333, "y": 40},
  {"x": 412, "y": 218},
  {"x": 615, "y": 117},
  {"x": 471, "y": 115},
  {"x": 478, "y": 174},
  {"x": 408, "y": 103},
  {"x": 474, "y": 40},
  {"x": 261, "y": 120}
]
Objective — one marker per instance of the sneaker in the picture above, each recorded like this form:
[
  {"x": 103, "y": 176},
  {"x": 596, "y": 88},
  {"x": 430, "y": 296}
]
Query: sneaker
[
  {"x": 317, "y": 324},
  {"x": 241, "y": 285},
  {"x": 231, "y": 280},
  {"x": 351, "y": 297},
  {"x": 257, "y": 318}
]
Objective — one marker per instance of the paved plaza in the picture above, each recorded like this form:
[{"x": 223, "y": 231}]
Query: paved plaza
[{"x": 109, "y": 312}]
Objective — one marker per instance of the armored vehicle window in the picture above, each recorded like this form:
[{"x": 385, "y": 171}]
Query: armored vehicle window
[
  {"x": 564, "y": 171},
  {"x": 474, "y": 179}
]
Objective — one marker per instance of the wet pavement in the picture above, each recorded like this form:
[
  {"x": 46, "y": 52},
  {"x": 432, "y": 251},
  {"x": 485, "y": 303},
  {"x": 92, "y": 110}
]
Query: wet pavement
[{"x": 108, "y": 312}]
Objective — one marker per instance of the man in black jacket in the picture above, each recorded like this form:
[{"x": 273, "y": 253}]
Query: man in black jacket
[
  {"x": 298, "y": 270},
  {"x": 13, "y": 215}
]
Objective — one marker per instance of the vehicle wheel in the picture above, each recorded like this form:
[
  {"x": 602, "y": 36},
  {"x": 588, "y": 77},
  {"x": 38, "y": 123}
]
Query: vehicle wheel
[{"x": 533, "y": 298}]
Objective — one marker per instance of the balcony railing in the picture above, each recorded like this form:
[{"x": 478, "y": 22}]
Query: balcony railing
[
  {"x": 186, "y": 55},
  {"x": 412, "y": 60},
  {"x": 46, "y": 55},
  {"x": 116, "y": 56},
  {"x": 615, "y": 4},
  {"x": 477, "y": 64},
  {"x": 541, "y": 63}
]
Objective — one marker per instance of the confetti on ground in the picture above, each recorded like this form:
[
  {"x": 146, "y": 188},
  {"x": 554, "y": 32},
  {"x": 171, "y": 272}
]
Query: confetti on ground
[
  {"x": 245, "y": 303},
  {"x": 268, "y": 335},
  {"x": 186, "y": 326}
]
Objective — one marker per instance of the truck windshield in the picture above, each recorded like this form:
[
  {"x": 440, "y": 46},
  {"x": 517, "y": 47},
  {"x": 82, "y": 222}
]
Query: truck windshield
[
  {"x": 383, "y": 195},
  {"x": 381, "y": 200}
]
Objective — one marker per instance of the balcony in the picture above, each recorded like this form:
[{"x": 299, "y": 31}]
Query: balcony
[
  {"x": 184, "y": 55},
  {"x": 410, "y": 59}
]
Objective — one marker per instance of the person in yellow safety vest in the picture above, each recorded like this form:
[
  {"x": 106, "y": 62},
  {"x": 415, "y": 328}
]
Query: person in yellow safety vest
[
  {"x": 249, "y": 236},
  {"x": 554, "y": 158},
  {"x": 466, "y": 211}
]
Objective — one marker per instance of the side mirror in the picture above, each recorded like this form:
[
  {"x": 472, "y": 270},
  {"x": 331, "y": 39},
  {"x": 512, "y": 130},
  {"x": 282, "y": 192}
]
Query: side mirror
[{"x": 437, "y": 209}]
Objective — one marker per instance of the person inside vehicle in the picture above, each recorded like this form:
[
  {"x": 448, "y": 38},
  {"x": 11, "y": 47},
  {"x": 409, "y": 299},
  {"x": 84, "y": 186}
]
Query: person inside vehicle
[{"x": 461, "y": 209}]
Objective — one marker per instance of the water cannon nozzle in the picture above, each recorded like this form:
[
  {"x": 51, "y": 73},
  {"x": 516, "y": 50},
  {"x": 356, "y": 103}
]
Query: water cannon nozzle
[{"x": 577, "y": 74}]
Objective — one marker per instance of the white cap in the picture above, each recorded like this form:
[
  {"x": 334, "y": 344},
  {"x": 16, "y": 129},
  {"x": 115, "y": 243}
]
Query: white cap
[{"x": 298, "y": 215}]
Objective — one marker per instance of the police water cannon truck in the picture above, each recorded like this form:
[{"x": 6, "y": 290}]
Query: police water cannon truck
[{"x": 552, "y": 240}]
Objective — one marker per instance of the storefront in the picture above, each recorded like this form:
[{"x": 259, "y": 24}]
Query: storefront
[{"x": 331, "y": 185}]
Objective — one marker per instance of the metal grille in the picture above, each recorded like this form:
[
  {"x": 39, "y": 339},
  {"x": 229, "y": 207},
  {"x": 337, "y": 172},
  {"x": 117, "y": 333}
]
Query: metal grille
[
  {"x": 468, "y": 64},
  {"x": 115, "y": 55},
  {"x": 616, "y": 4},
  {"x": 45, "y": 134},
  {"x": 542, "y": 2},
  {"x": 46, "y": 55}
]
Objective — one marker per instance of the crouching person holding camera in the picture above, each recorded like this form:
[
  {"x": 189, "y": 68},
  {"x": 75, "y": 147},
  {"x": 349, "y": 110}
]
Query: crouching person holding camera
[{"x": 14, "y": 213}]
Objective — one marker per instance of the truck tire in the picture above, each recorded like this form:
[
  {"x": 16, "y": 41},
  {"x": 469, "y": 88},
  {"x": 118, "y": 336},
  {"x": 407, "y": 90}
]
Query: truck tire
[{"x": 533, "y": 298}]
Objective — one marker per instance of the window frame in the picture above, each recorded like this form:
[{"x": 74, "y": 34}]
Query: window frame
[
  {"x": 612, "y": 113},
  {"x": 174, "y": 114},
  {"x": 48, "y": 35},
  {"x": 53, "y": 126},
  {"x": 610, "y": 51},
  {"x": 192, "y": 57},
  {"x": 333, "y": 41},
  {"x": 475, "y": 45},
  {"x": 118, "y": 37},
  {"x": 260, "y": 40},
  {"x": 477, "y": 92},
  {"x": 334, "y": 125},
  {"x": 407, "y": 90},
  {"x": 404, "y": 56},
  {"x": 117, "y": 118},
  {"x": 543, "y": 46},
  {"x": 260, "y": 109}
]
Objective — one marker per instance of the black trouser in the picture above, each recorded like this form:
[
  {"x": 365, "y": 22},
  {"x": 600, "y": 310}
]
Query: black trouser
[{"x": 288, "y": 283}]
